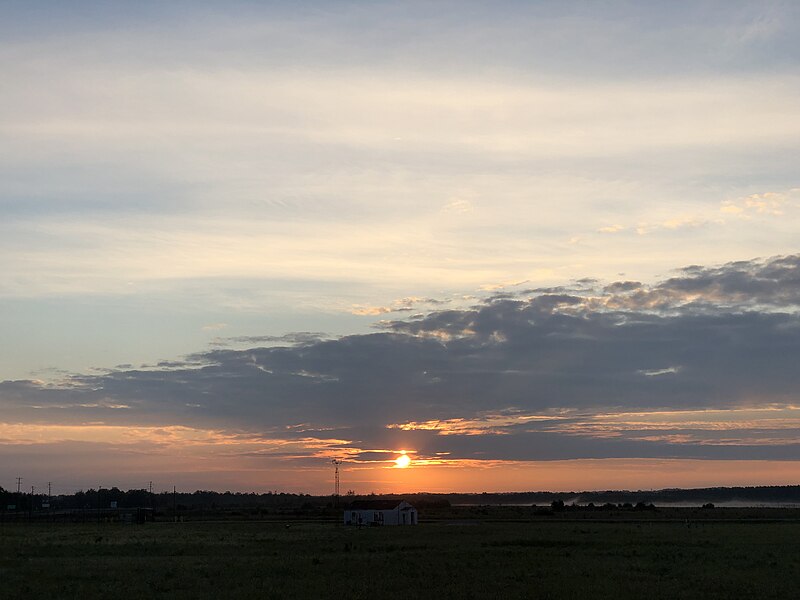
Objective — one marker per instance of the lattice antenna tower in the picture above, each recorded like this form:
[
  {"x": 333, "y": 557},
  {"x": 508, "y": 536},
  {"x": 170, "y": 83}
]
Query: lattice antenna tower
[{"x": 336, "y": 462}]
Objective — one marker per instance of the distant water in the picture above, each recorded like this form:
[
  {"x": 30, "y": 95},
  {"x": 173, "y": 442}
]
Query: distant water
[
  {"x": 684, "y": 504},
  {"x": 729, "y": 504}
]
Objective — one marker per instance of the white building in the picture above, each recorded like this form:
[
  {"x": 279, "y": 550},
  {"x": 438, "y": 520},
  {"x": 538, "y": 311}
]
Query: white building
[{"x": 380, "y": 512}]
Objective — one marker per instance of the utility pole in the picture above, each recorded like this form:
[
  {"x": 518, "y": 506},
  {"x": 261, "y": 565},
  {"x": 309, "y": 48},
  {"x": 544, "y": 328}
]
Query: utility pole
[
  {"x": 49, "y": 492},
  {"x": 336, "y": 462},
  {"x": 174, "y": 504},
  {"x": 19, "y": 498}
]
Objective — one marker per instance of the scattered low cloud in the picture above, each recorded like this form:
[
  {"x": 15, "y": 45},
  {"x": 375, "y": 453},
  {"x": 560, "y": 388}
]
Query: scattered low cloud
[
  {"x": 503, "y": 285},
  {"x": 670, "y": 224},
  {"x": 646, "y": 227},
  {"x": 407, "y": 304},
  {"x": 658, "y": 372},
  {"x": 764, "y": 204},
  {"x": 768, "y": 203},
  {"x": 611, "y": 229},
  {"x": 294, "y": 338}
]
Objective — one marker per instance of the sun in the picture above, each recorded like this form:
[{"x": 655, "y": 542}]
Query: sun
[{"x": 403, "y": 460}]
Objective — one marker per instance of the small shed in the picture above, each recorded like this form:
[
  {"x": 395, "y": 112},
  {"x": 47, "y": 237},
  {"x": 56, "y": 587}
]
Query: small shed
[{"x": 380, "y": 512}]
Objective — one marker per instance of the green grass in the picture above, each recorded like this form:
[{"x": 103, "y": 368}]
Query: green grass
[{"x": 549, "y": 559}]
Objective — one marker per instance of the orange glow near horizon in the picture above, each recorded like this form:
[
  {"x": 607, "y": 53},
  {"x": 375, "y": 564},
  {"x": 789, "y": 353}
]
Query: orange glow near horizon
[
  {"x": 128, "y": 456},
  {"x": 475, "y": 476}
]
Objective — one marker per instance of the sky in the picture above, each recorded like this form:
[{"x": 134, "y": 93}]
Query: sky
[{"x": 534, "y": 245}]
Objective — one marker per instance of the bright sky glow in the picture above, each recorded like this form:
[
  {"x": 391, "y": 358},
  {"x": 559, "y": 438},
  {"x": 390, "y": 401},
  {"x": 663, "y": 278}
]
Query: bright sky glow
[{"x": 553, "y": 241}]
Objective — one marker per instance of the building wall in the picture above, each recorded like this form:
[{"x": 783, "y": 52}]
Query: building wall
[{"x": 382, "y": 517}]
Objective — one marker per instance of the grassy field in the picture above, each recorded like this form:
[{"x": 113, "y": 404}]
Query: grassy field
[{"x": 536, "y": 559}]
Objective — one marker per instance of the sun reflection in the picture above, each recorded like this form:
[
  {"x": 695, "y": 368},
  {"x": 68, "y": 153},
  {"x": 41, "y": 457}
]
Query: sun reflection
[{"x": 403, "y": 460}]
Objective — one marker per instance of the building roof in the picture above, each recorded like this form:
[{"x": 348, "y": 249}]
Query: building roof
[{"x": 375, "y": 504}]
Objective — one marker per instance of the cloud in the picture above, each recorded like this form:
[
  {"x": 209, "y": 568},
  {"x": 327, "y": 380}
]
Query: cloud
[
  {"x": 645, "y": 228},
  {"x": 296, "y": 338},
  {"x": 611, "y": 229},
  {"x": 746, "y": 208},
  {"x": 701, "y": 365},
  {"x": 459, "y": 205},
  {"x": 374, "y": 310},
  {"x": 658, "y": 372},
  {"x": 671, "y": 224},
  {"x": 768, "y": 203},
  {"x": 406, "y": 304},
  {"x": 297, "y": 166},
  {"x": 262, "y": 119}
]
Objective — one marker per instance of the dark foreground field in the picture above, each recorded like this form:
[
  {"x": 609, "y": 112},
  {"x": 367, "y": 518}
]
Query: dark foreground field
[{"x": 537, "y": 559}]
